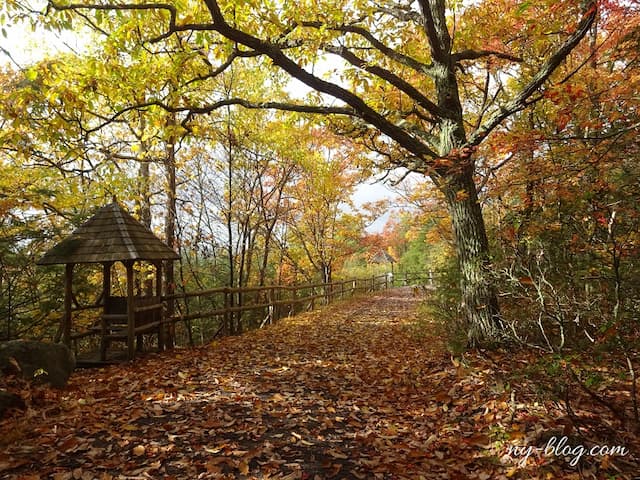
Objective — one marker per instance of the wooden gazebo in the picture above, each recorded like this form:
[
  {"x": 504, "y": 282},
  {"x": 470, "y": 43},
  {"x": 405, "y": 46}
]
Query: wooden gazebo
[{"x": 112, "y": 235}]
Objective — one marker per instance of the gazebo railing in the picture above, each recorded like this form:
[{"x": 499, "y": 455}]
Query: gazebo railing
[{"x": 229, "y": 310}]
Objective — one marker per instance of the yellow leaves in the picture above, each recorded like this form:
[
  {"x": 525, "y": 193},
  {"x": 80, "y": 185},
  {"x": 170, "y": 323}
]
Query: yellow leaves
[
  {"x": 243, "y": 468},
  {"x": 31, "y": 74}
]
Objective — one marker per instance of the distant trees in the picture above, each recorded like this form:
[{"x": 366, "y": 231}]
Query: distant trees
[{"x": 226, "y": 191}]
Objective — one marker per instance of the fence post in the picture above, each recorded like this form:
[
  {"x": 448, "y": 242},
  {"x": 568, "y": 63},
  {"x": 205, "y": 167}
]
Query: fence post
[
  {"x": 313, "y": 300},
  {"x": 270, "y": 308},
  {"x": 227, "y": 314}
]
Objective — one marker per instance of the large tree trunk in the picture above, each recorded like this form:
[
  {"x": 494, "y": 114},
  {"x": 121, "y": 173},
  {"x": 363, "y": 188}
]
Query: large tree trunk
[{"x": 479, "y": 300}]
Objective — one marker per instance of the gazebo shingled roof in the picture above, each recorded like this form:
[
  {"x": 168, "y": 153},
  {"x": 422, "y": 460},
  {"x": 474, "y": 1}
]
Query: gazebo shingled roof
[{"x": 110, "y": 235}]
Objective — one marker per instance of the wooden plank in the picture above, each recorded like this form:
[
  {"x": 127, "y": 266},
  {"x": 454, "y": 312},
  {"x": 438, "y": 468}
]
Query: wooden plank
[
  {"x": 116, "y": 316},
  {"x": 68, "y": 297},
  {"x": 161, "y": 327},
  {"x": 147, "y": 308},
  {"x": 147, "y": 327},
  {"x": 117, "y": 336},
  {"x": 131, "y": 316},
  {"x": 196, "y": 315},
  {"x": 83, "y": 334}
]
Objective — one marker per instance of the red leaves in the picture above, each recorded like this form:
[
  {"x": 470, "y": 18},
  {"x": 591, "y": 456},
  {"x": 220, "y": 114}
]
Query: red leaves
[{"x": 345, "y": 392}]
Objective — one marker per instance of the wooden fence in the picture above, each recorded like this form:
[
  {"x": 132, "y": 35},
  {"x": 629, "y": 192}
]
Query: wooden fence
[
  {"x": 199, "y": 316},
  {"x": 237, "y": 309},
  {"x": 407, "y": 279}
]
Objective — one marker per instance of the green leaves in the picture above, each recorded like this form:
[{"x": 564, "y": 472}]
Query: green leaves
[{"x": 523, "y": 7}]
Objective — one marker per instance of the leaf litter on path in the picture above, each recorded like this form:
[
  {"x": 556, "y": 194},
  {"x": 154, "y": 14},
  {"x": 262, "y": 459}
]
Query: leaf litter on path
[{"x": 344, "y": 392}]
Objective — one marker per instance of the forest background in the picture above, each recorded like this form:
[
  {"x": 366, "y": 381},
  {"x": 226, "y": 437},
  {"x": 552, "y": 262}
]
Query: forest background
[{"x": 197, "y": 131}]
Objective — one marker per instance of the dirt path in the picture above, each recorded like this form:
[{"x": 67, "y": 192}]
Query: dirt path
[{"x": 345, "y": 392}]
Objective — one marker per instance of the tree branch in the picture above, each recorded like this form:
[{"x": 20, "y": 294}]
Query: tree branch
[
  {"x": 402, "y": 13},
  {"x": 223, "y": 66},
  {"x": 435, "y": 26},
  {"x": 381, "y": 47},
  {"x": 171, "y": 9},
  {"x": 390, "y": 77},
  {"x": 124, "y": 6},
  {"x": 360, "y": 107},
  {"x": 205, "y": 109},
  {"x": 476, "y": 54},
  {"x": 519, "y": 102}
]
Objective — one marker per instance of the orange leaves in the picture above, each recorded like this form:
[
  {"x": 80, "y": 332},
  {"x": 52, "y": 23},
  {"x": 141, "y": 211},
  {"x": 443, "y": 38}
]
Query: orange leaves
[{"x": 344, "y": 392}]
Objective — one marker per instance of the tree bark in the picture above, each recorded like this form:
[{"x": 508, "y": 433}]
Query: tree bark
[
  {"x": 479, "y": 300},
  {"x": 170, "y": 236}
]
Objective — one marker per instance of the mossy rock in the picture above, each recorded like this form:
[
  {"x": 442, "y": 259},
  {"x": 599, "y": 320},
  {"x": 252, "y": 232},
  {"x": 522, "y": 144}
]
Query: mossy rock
[{"x": 52, "y": 363}]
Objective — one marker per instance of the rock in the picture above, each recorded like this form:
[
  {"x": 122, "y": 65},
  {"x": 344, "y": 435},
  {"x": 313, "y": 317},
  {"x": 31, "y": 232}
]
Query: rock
[{"x": 48, "y": 362}]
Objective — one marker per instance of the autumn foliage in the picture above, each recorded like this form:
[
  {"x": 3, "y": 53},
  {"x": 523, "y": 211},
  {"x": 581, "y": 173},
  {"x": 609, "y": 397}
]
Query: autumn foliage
[
  {"x": 510, "y": 131},
  {"x": 357, "y": 390}
]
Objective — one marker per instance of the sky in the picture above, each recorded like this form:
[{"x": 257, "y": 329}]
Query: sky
[{"x": 22, "y": 46}]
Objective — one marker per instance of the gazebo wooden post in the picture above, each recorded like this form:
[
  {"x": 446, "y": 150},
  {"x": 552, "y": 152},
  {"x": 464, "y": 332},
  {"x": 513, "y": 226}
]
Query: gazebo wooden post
[
  {"x": 106, "y": 293},
  {"x": 68, "y": 296},
  {"x": 170, "y": 289},
  {"x": 131, "y": 318},
  {"x": 159, "y": 295}
]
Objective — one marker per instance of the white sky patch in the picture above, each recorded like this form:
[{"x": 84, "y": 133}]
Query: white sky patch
[{"x": 24, "y": 46}]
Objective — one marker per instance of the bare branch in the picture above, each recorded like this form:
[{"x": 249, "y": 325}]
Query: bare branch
[
  {"x": 476, "y": 54},
  {"x": 519, "y": 102}
]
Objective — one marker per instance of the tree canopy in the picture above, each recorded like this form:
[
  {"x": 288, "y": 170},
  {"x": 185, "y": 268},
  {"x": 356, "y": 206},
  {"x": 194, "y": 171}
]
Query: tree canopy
[{"x": 477, "y": 96}]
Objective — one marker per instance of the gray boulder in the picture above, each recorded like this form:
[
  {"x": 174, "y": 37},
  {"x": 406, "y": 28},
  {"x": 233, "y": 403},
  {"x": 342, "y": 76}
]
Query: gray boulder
[{"x": 47, "y": 362}]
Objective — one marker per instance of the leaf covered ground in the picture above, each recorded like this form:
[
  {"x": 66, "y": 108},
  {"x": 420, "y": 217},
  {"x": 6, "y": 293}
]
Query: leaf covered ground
[{"x": 346, "y": 392}]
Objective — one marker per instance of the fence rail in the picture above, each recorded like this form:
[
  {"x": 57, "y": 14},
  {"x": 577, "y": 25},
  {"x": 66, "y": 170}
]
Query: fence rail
[
  {"x": 256, "y": 306},
  {"x": 199, "y": 316}
]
